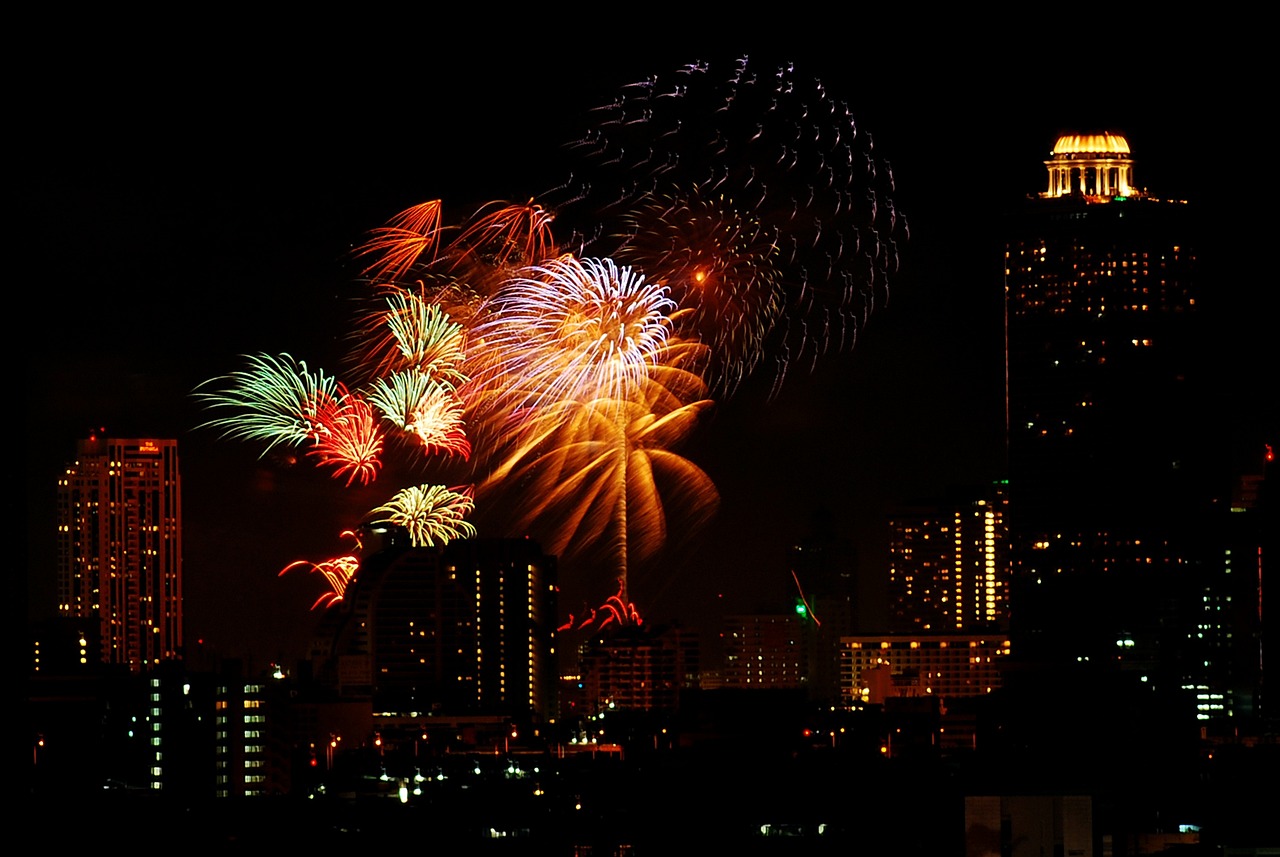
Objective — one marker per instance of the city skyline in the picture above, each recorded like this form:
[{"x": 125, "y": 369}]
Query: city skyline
[{"x": 266, "y": 275}]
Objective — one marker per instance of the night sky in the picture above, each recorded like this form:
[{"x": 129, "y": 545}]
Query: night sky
[{"x": 193, "y": 204}]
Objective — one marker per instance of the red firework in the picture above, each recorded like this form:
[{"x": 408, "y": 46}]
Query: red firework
[
  {"x": 347, "y": 438},
  {"x": 400, "y": 245},
  {"x": 337, "y": 572}
]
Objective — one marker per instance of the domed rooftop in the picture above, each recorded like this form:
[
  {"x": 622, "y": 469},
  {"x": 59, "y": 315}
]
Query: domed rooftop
[
  {"x": 1097, "y": 166},
  {"x": 1105, "y": 143}
]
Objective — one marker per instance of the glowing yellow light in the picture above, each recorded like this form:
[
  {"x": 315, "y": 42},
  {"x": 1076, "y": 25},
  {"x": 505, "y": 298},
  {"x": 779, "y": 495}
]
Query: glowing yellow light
[{"x": 1091, "y": 143}]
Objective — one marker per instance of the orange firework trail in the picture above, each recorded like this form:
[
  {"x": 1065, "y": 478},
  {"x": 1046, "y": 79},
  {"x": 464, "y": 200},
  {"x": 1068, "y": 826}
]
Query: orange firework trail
[{"x": 403, "y": 243}]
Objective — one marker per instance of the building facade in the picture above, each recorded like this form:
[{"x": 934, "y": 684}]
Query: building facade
[
  {"x": 253, "y": 733},
  {"x": 946, "y": 666},
  {"x": 1104, "y": 392},
  {"x": 1128, "y": 549},
  {"x": 469, "y": 628},
  {"x": 766, "y": 651},
  {"x": 949, "y": 564},
  {"x": 120, "y": 547},
  {"x": 632, "y": 668},
  {"x": 1108, "y": 427}
]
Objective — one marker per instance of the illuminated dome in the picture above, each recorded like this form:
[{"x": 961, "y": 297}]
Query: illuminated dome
[
  {"x": 1097, "y": 167},
  {"x": 1080, "y": 144}
]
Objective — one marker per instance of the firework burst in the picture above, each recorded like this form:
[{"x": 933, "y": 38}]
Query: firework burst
[
  {"x": 410, "y": 332},
  {"x": 432, "y": 514},
  {"x": 346, "y": 438},
  {"x": 770, "y": 175},
  {"x": 276, "y": 400},
  {"x": 599, "y": 475},
  {"x": 425, "y": 408},
  {"x": 571, "y": 330},
  {"x": 726, "y": 221}
]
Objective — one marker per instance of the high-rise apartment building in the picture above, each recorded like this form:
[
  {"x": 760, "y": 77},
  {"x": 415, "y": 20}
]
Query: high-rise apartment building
[
  {"x": 120, "y": 547},
  {"x": 949, "y": 564},
  {"x": 824, "y": 587},
  {"x": 251, "y": 738},
  {"x": 468, "y": 628}
]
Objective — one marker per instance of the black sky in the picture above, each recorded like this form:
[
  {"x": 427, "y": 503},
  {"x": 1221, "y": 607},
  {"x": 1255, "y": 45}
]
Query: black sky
[{"x": 190, "y": 204}]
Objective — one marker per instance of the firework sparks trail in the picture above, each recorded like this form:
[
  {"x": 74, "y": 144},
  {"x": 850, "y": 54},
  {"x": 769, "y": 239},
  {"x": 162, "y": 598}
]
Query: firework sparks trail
[
  {"x": 720, "y": 267},
  {"x": 571, "y": 330},
  {"x": 509, "y": 237},
  {"x": 616, "y": 611},
  {"x": 346, "y": 438},
  {"x": 426, "y": 408},
  {"x": 276, "y": 400},
  {"x": 786, "y": 204},
  {"x": 337, "y": 572},
  {"x": 458, "y": 274},
  {"x": 408, "y": 331},
  {"x": 401, "y": 245},
  {"x": 432, "y": 514}
]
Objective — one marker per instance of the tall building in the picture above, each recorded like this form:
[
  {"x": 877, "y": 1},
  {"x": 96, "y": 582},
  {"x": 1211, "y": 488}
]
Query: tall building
[
  {"x": 1119, "y": 489},
  {"x": 824, "y": 589},
  {"x": 1105, "y": 431},
  {"x": 120, "y": 547},
  {"x": 469, "y": 628},
  {"x": 949, "y": 565},
  {"x": 252, "y": 746}
]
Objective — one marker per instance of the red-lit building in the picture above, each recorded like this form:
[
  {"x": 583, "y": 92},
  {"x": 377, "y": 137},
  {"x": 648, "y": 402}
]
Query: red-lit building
[{"x": 120, "y": 547}]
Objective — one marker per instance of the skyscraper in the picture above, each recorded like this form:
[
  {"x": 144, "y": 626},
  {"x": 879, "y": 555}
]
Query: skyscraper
[
  {"x": 1112, "y": 485},
  {"x": 1102, "y": 316},
  {"x": 120, "y": 547}
]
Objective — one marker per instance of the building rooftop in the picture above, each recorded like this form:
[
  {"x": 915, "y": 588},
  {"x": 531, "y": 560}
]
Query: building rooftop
[{"x": 1103, "y": 143}]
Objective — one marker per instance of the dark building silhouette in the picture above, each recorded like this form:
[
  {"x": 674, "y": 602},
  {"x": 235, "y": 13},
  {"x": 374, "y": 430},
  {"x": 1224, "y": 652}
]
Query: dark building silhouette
[
  {"x": 631, "y": 668},
  {"x": 468, "y": 628},
  {"x": 1118, "y": 493},
  {"x": 824, "y": 593}
]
